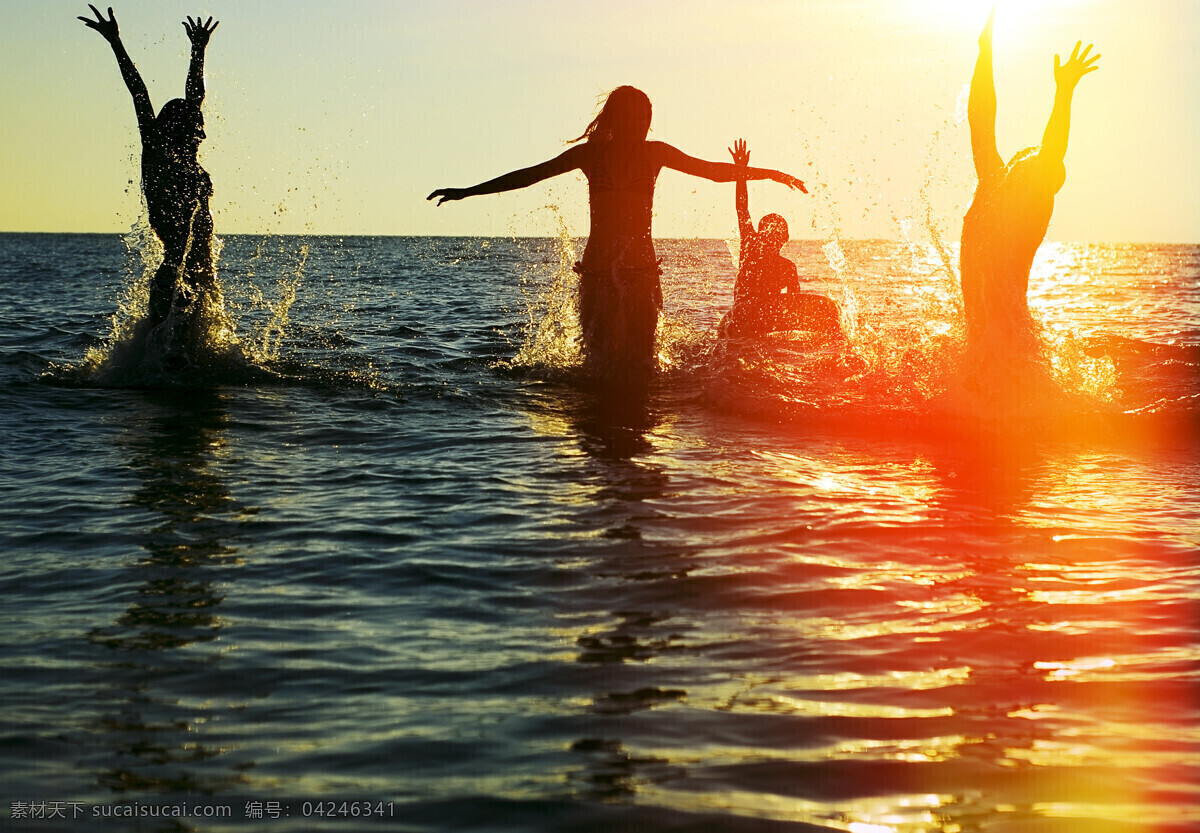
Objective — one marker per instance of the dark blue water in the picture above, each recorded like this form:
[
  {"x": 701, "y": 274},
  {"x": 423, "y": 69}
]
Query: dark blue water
[{"x": 396, "y": 562}]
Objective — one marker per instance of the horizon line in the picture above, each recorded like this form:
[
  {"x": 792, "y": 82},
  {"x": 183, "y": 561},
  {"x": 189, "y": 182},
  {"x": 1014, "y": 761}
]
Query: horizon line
[{"x": 585, "y": 237}]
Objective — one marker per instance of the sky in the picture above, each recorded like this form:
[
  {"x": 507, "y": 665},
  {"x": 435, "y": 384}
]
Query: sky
[{"x": 340, "y": 117}]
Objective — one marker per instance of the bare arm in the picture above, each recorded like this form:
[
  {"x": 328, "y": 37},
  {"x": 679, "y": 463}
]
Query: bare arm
[
  {"x": 981, "y": 107},
  {"x": 133, "y": 80},
  {"x": 741, "y": 197},
  {"x": 1066, "y": 76},
  {"x": 198, "y": 33},
  {"x": 568, "y": 160},
  {"x": 671, "y": 157}
]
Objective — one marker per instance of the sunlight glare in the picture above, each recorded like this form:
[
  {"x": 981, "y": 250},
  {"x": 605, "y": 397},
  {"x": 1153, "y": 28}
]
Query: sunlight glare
[{"x": 971, "y": 14}]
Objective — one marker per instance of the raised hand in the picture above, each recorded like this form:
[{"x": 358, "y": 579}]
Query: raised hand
[
  {"x": 198, "y": 33},
  {"x": 448, "y": 194},
  {"x": 1078, "y": 65},
  {"x": 740, "y": 155},
  {"x": 107, "y": 28}
]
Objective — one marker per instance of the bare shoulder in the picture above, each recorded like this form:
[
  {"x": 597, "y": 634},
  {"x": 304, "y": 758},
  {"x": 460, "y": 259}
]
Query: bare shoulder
[
  {"x": 577, "y": 157},
  {"x": 663, "y": 155},
  {"x": 661, "y": 151}
]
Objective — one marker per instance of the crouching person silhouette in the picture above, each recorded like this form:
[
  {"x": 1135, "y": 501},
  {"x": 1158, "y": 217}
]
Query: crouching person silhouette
[{"x": 767, "y": 296}]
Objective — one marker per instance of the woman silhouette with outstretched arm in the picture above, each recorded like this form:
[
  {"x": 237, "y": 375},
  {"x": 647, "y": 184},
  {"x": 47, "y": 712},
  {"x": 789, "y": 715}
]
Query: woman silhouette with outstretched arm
[
  {"x": 1010, "y": 213},
  {"x": 619, "y": 291},
  {"x": 176, "y": 188}
]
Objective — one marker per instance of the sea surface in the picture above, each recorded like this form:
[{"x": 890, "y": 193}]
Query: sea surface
[{"x": 385, "y": 560}]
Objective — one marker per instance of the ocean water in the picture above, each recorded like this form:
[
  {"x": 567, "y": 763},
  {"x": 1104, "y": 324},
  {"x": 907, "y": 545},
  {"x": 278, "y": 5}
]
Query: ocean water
[{"x": 384, "y": 561}]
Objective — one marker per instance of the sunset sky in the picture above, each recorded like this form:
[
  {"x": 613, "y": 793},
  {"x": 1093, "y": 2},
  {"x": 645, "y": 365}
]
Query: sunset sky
[{"x": 340, "y": 117}]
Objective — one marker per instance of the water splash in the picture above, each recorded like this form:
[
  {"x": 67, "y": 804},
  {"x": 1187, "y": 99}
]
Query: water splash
[
  {"x": 551, "y": 336},
  {"x": 199, "y": 343},
  {"x": 905, "y": 355},
  {"x": 263, "y": 344}
]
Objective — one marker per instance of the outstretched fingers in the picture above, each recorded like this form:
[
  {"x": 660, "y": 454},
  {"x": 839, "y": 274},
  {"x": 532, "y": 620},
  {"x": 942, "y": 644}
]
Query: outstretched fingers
[
  {"x": 107, "y": 28},
  {"x": 793, "y": 183},
  {"x": 740, "y": 155},
  {"x": 199, "y": 30},
  {"x": 1078, "y": 65},
  {"x": 450, "y": 194},
  {"x": 1084, "y": 58}
]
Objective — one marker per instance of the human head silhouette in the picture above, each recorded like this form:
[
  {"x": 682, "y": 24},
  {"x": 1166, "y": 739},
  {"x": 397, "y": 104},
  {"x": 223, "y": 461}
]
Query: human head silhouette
[
  {"x": 181, "y": 124},
  {"x": 773, "y": 230},
  {"x": 625, "y": 115}
]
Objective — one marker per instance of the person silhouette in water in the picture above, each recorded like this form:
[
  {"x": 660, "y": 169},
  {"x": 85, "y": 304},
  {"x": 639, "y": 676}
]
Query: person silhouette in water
[
  {"x": 767, "y": 296},
  {"x": 176, "y": 188},
  {"x": 620, "y": 295},
  {"x": 1011, "y": 210}
]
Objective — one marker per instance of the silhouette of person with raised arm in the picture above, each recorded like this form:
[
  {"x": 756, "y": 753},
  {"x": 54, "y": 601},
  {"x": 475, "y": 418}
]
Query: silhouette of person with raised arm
[
  {"x": 177, "y": 189},
  {"x": 1010, "y": 213},
  {"x": 619, "y": 291},
  {"x": 767, "y": 296}
]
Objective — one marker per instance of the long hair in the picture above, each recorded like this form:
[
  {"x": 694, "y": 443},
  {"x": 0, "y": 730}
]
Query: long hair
[{"x": 626, "y": 114}]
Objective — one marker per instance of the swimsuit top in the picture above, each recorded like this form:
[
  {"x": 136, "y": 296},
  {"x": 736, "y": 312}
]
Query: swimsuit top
[
  {"x": 621, "y": 201},
  {"x": 639, "y": 176}
]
